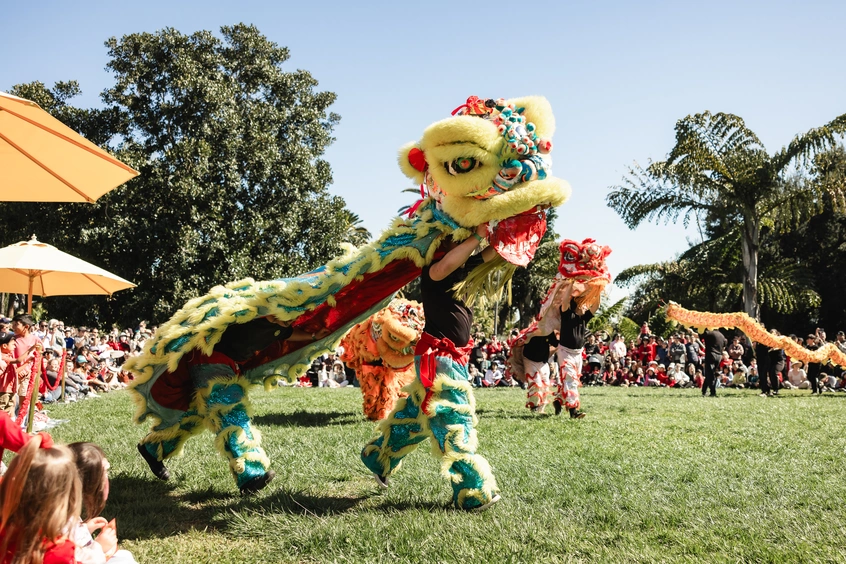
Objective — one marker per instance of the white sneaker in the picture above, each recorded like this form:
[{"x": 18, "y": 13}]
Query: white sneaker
[
  {"x": 481, "y": 508},
  {"x": 381, "y": 480}
]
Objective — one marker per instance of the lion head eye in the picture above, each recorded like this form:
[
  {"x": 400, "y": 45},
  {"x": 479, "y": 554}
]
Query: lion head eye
[{"x": 462, "y": 165}]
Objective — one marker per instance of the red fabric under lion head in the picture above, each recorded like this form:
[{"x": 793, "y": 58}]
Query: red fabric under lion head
[{"x": 583, "y": 261}]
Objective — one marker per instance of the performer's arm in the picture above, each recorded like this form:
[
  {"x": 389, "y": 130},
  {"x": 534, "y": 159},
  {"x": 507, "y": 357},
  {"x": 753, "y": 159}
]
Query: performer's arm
[{"x": 455, "y": 258}]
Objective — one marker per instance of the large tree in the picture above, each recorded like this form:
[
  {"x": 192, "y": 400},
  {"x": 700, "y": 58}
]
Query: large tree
[
  {"x": 719, "y": 169},
  {"x": 232, "y": 182}
]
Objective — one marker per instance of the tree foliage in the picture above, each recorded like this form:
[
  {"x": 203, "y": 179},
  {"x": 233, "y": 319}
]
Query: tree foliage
[
  {"x": 720, "y": 170},
  {"x": 232, "y": 182}
]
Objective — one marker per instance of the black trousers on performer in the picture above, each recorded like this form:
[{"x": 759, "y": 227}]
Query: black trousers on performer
[
  {"x": 710, "y": 372},
  {"x": 769, "y": 381},
  {"x": 813, "y": 375}
]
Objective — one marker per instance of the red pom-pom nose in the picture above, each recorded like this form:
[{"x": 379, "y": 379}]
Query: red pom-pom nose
[{"x": 417, "y": 159}]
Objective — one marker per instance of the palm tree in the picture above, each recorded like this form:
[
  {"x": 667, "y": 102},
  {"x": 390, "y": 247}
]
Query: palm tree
[
  {"x": 354, "y": 232},
  {"x": 610, "y": 318},
  {"x": 720, "y": 169},
  {"x": 704, "y": 278}
]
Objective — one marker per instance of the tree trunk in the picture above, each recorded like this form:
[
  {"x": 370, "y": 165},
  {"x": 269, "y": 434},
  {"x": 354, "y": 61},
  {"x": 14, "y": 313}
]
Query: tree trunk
[{"x": 749, "y": 248}]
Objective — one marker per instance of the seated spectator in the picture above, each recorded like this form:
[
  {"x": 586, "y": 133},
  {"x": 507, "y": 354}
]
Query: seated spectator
[
  {"x": 46, "y": 497},
  {"x": 507, "y": 380},
  {"x": 739, "y": 377},
  {"x": 93, "y": 469},
  {"x": 492, "y": 376},
  {"x": 53, "y": 379},
  {"x": 698, "y": 379},
  {"x": 678, "y": 376},
  {"x": 735, "y": 349},
  {"x": 797, "y": 379},
  {"x": 475, "y": 375},
  {"x": 725, "y": 361},
  {"x": 83, "y": 372},
  {"x": 661, "y": 377},
  {"x": 339, "y": 376}
]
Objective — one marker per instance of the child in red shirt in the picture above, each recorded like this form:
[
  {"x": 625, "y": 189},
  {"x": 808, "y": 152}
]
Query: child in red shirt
[{"x": 41, "y": 495}]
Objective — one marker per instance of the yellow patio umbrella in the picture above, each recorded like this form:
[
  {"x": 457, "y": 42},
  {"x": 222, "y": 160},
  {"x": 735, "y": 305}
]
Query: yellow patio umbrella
[
  {"x": 38, "y": 269},
  {"x": 43, "y": 160},
  {"x": 35, "y": 268}
]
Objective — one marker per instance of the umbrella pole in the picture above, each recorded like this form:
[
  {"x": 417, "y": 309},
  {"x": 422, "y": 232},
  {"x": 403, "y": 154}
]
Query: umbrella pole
[
  {"x": 36, "y": 372},
  {"x": 29, "y": 297}
]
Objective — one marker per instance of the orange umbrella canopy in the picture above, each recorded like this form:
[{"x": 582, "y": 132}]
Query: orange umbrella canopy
[
  {"x": 39, "y": 269},
  {"x": 43, "y": 160}
]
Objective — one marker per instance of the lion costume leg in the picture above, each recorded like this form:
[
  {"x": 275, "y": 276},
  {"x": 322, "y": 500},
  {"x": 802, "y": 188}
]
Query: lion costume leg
[
  {"x": 569, "y": 376},
  {"x": 165, "y": 444},
  {"x": 445, "y": 413},
  {"x": 227, "y": 410},
  {"x": 537, "y": 378}
]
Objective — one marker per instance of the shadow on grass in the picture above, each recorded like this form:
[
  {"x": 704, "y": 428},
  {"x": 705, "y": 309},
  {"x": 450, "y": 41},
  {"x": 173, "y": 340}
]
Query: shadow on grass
[
  {"x": 400, "y": 505},
  {"x": 147, "y": 508},
  {"x": 503, "y": 414},
  {"x": 308, "y": 419},
  {"x": 150, "y": 509},
  {"x": 299, "y": 503}
]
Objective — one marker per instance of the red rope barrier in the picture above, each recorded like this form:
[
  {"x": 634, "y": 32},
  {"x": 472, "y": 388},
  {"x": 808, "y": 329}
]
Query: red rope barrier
[{"x": 34, "y": 371}]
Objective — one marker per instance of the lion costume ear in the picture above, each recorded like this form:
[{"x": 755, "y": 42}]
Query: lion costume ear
[{"x": 412, "y": 161}]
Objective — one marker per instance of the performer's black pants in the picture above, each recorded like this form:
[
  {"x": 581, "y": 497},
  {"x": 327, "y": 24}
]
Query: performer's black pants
[
  {"x": 710, "y": 373},
  {"x": 813, "y": 376},
  {"x": 772, "y": 376}
]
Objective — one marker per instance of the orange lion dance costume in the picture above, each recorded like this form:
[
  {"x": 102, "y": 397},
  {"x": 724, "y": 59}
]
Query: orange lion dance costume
[{"x": 381, "y": 351}]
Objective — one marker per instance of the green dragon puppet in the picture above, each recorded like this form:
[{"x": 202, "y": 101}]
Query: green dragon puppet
[{"x": 488, "y": 163}]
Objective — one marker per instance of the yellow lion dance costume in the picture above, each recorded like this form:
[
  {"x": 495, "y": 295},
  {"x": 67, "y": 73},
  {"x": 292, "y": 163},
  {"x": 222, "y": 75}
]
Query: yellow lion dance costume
[{"x": 381, "y": 351}]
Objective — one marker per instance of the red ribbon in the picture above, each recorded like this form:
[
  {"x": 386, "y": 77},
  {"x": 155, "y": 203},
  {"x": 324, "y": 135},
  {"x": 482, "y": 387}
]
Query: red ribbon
[
  {"x": 429, "y": 347},
  {"x": 413, "y": 208},
  {"x": 23, "y": 410}
]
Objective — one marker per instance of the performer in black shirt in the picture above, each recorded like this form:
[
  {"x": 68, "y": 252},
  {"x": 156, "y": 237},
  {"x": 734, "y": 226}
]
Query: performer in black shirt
[
  {"x": 715, "y": 344},
  {"x": 441, "y": 399},
  {"x": 571, "y": 341},
  {"x": 536, "y": 353}
]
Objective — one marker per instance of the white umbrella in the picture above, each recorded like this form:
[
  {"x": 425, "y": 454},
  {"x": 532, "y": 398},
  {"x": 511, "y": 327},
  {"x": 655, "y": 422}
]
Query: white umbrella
[
  {"x": 43, "y": 160},
  {"x": 38, "y": 269}
]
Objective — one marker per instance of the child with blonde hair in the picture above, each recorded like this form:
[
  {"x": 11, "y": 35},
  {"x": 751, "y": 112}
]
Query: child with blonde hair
[{"x": 40, "y": 496}]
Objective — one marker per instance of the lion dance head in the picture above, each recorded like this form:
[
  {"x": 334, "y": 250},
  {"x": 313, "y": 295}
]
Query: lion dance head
[
  {"x": 381, "y": 351},
  {"x": 491, "y": 163}
]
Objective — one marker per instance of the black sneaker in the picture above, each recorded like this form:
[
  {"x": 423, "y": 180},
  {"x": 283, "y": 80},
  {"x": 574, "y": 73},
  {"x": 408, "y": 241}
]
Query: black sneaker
[
  {"x": 157, "y": 467},
  {"x": 557, "y": 405},
  {"x": 576, "y": 414},
  {"x": 258, "y": 483}
]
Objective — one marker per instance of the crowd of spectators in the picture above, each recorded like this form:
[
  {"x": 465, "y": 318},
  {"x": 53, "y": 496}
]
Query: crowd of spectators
[
  {"x": 673, "y": 362},
  {"x": 89, "y": 358}
]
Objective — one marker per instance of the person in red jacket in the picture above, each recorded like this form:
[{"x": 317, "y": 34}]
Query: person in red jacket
[{"x": 13, "y": 438}]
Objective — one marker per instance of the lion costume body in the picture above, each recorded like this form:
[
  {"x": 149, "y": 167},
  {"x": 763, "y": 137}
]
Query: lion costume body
[{"x": 474, "y": 174}]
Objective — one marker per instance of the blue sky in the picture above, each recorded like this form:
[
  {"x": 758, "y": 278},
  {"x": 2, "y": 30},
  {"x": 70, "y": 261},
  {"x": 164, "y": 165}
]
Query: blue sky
[{"x": 618, "y": 75}]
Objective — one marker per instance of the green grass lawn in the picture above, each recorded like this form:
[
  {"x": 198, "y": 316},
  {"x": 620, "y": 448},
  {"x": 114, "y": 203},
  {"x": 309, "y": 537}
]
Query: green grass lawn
[{"x": 648, "y": 476}]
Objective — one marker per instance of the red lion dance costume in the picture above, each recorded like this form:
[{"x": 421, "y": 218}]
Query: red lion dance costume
[{"x": 570, "y": 303}]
